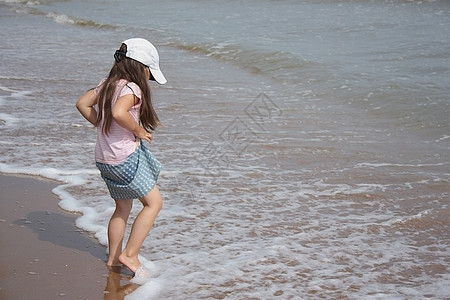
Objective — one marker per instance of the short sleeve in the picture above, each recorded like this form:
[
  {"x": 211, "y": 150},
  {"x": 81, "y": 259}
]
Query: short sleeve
[{"x": 131, "y": 88}]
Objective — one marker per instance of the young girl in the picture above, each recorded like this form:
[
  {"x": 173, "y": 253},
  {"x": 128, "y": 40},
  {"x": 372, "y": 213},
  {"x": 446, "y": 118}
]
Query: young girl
[{"x": 121, "y": 109}]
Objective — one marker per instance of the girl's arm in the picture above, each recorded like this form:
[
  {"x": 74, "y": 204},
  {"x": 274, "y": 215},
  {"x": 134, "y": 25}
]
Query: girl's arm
[
  {"x": 121, "y": 115},
  {"x": 85, "y": 106}
]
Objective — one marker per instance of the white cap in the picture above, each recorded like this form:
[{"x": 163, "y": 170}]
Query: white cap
[{"x": 144, "y": 52}]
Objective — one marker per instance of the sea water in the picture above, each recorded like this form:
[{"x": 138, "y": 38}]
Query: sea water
[{"x": 305, "y": 143}]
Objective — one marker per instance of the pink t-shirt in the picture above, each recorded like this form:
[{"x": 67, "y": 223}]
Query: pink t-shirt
[{"x": 115, "y": 147}]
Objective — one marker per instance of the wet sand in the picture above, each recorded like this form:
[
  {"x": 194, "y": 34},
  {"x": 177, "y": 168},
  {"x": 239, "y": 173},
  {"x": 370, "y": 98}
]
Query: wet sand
[{"x": 43, "y": 255}]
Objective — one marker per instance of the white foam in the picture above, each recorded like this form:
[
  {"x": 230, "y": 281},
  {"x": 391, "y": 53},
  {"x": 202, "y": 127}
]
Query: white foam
[
  {"x": 70, "y": 178},
  {"x": 443, "y": 138},
  {"x": 13, "y": 1},
  {"x": 149, "y": 289},
  {"x": 61, "y": 18},
  {"x": 405, "y": 219}
]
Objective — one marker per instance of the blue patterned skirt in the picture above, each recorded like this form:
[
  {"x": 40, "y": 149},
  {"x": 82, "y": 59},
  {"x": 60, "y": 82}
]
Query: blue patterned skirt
[{"x": 135, "y": 177}]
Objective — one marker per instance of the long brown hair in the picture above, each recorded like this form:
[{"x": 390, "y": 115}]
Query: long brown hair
[{"x": 132, "y": 71}]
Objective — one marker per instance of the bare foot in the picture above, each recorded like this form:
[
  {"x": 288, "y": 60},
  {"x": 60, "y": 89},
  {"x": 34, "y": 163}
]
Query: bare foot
[
  {"x": 114, "y": 263},
  {"x": 132, "y": 263}
]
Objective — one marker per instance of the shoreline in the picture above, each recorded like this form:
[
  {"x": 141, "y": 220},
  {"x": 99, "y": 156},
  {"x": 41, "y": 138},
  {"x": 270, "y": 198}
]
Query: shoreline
[{"x": 43, "y": 254}]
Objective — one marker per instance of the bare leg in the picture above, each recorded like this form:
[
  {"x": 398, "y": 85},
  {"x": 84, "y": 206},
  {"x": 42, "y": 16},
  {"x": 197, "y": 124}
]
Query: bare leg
[
  {"x": 141, "y": 227},
  {"x": 116, "y": 230}
]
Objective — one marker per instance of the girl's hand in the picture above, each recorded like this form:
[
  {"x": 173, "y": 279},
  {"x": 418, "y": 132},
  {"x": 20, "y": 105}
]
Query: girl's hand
[{"x": 142, "y": 134}]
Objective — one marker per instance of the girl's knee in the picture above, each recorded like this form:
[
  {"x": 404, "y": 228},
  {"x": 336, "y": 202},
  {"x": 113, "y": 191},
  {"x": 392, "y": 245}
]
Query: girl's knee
[
  {"x": 153, "y": 199},
  {"x": 156, "y": 202},
  {"x": 159, "y": 204}
]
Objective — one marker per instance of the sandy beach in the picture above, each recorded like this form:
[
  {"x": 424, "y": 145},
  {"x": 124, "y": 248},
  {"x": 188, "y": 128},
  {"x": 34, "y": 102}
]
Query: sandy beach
[{"x": 43, "y": 254}]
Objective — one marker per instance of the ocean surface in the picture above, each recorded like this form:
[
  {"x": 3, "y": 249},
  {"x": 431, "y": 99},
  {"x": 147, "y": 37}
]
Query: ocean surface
[{"x": 306, "y": 143}]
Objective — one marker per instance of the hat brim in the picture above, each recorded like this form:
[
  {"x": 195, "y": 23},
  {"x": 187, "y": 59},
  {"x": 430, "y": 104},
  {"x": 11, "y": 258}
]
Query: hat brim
[{"x": 157, "y": 76}]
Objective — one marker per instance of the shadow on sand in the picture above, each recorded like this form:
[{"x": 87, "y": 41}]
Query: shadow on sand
[{"x": 60, "y": 230}]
